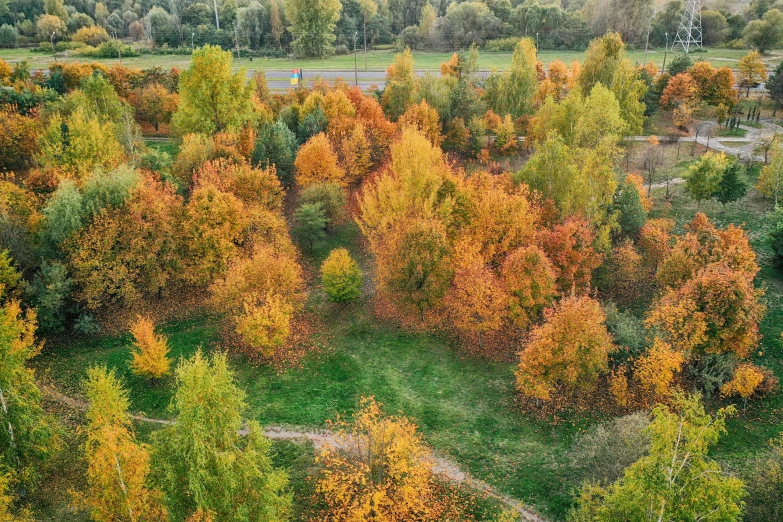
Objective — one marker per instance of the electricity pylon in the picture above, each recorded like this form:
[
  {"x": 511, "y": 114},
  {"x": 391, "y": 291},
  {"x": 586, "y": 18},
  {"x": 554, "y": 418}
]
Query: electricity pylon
[{"x": 689, "y": 33}]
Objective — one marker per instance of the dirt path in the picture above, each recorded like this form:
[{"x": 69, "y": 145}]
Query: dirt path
[{"x": 442, "y": 466}]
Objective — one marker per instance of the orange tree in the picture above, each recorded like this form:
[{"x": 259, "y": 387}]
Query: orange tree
[{"x": 569, "y": 350}]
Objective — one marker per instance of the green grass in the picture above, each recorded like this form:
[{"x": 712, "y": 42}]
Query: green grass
[
  {"x": 731, "y": 133},
  {"x": 165, "y": 145},
  {"x": 379, "y": 60}
]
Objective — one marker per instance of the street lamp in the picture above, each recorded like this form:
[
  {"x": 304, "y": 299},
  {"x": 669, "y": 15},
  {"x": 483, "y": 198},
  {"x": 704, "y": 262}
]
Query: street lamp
[
  {"x": 663, "y": 69},
  {"x": 536, "y": 40},
  {"x": 54, "y": 51},
  {"x": 192, "y": 36},
  {"x": 355, "y": 69}
]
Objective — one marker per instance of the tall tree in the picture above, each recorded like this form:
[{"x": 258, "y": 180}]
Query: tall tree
[
  {"x": 569, "y": 350},
  {"x": 151, "y": 350},
  {"x": 203, "y": 463},
  {"x": 677, "y": 480},
  {"x": 117, "y": 466},
  {"x": 770, "y": 182},
  {"x": 705, "y": 175},
  {"x": 752, "y": 70},
  {"x": 212, "y": 97},
  {"x": 312, "y": 24}
]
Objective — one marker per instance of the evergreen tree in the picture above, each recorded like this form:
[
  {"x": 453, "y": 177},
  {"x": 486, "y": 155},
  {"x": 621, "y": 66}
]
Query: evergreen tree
[{"x": 733, "y": 184}]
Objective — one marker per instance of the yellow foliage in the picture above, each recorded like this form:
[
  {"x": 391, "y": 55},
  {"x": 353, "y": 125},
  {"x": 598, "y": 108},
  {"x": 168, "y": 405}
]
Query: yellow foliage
[
  {"x": 264, "y": 324},
  {"x": 745, "y": 382},
  {"x": 150, "y": 358},
  {"x": 378, "y": 469},
  {"x": 356, "y": 154},
  {"x": 337, "y": 105},
  {"x": 618, "y": 386},
  {"x": 196, "y": 149},
  {"x": 530, "y": 280},
  {"x": 316, "y": 162},
  {"x": 424, "y": 119},
  {"x": 656, "y": 369}
]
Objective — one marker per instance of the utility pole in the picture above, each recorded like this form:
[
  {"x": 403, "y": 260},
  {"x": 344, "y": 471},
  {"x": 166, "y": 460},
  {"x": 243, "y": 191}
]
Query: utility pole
[
  {"x": 355, "y": 70},
  {"x": 665, "y": 49},
  {"x": 647, "y": 42},
  {"x": 689, "y": 33},
  {"x": 54, "y": 51},
  {"x": 364, "y": 18},
  {"x": 119, "y": 46},
  {"x": 217, "y": 20}
]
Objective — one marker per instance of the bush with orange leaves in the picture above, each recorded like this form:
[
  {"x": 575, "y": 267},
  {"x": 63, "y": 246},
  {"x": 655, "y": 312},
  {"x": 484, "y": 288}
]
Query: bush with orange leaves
[
  {"x": 379, "y": 468},
  {"x": 681, "y": 89},
  {"x": 717, "y": 311},
  {"x": 569, "y": 351},
  {"x": 530, "y": 281},
  {"x": 569, "y": 247},
  {"x": 150, "y": 355},
  {"x": 746, "y": 381},
  {"x": 316, "y": 162},
  {"x": 656, "y": 369}
]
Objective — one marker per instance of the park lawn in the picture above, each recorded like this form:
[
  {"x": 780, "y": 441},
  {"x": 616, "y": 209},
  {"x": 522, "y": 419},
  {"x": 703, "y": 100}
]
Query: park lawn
[{"x": 379, "y": 60}]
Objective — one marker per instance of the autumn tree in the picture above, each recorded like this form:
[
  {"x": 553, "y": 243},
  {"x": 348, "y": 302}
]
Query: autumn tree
[
  {"x": 677, "y": 478},
  {"x": 212, "y": 97},
  {"x": 681, "y": 89},
  {"x": 425, "y": 119},
  {"x": 340, "y": 276},
  {"x": 569, "y": 247},
  {"x": 203, "y": 463},
  {"x": 513, "y": 91},
  {"x": 264, "y": 323},
  {"x": 316, "y": 162},
  {"x": 29, "y": 436},
  {"x": 530, "y": 280},
  {"x": 770, "y": 182},
  {"x": 8, "y": 502},
  {"x": 655, "y": 370},
  {"x": 378, "y": 467},
  {"x": 752, "y": 70},
  {"x": 476, "y": 301},
  {"x": 118, "y": 467},
  {"x": 150, "y": 355},
  {"x": 154, "y": 104},
  {"x": 569, "y": 350},
  {"x": 718, "y": 311},
  {"x": 746, "y": 380},
  {"x": 312, "y": 24},
  {"x": 356, "y": 154},
  {"x": 18, "y": 141}
]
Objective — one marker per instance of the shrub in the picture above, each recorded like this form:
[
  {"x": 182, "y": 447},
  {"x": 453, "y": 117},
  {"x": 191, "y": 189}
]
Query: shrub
[
  {"x": 50, "y": 292},
  {"x": 8, "y": 35},
  {"x": 92, "y": 35},
  {"x": 331, "y": 198},
  {"x": 150, "y": 355},
  {"x": 604, "y": 451},
  {"x": 341, "y": 276},
  {"x": 310, "y": 225}
]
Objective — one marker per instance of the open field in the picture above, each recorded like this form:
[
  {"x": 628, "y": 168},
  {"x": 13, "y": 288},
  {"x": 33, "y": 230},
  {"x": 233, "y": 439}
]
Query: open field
[{"x": 379, "y": 60}]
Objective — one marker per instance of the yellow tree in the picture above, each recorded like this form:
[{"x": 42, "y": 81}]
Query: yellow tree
[
  {"x": 316, "y": 162},
  {"x": 379, "y": 469},
  {"x": 752, "y": 70},
  {"x": 356, "y": 154},
  {"x": 340, "y": 276},
  {"x": 569, "y": 350},
  {"x": 655, "y": 370},
  {"x": 530, "y": 280},
  {"x": 476, "y": 301},
  {"x": 424, "y": 119},
  {"x": 117, "y": 465},
  {"x": 401, "y": 85},
  {"x": 747, "y": 378},
  {"x": 264, "y": 323},
  {"x": 150, "y": 355}
]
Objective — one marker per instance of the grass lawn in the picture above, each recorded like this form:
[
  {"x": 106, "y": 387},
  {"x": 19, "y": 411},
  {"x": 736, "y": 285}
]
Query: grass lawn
[{"x": 379, "y": 60}]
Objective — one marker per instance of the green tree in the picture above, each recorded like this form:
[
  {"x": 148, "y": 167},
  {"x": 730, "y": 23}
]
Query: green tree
[
  {"x": 677, "y": 480},
  {"x": 513, "y": 92},
  {"x": 765, "y": 34},
  {"x": 704, "y": 176},
  {"x": 50, "y": 292},
  {"x": 312, "y": 24},
  {"x": 341, "y": 276},
  {"x": 733, "y": 184},
  {"x": 202, "y": 461},
  {"x": 776, "y": 242},
  {"x": 276, "y": 145},
  {"x": 212, "y": 97},
  {"x": 310, "y": 225},
  {"x": 28, "y": 436},
  {"x": 628, "y": 203},
  {"x": 402, "y": 86}
]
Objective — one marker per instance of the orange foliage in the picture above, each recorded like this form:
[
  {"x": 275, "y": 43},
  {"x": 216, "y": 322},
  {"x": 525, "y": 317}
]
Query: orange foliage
[
  {"x": 569, "y": 350},
  {"x": 701, "y": 72},
  {"x": 718, "y": 311},
  {"x": 150, "y": 357},
  {"x": 530, "y": 280},
  {"x": 251, "y": 185},
  {"x": 747, "y": 379},
  {"x": 680, "y": 89},
  {"x": 18, "y": 139},
  {"x": 618, "y": 386},
  {"x": 638, "y": 182},
  {"x": 655, "y": 241},
  {"x": 450, "y": 68},
  {"x": 316, "y": 162},
  {"x": 569, "y": 247},
  {"x": 629, "y": 281}
]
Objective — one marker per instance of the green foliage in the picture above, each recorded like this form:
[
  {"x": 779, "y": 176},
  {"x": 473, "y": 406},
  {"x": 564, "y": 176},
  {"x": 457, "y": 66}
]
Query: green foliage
[
  {"x": 10, "y": 278},
  {"x": 776, "y": 243},
  {"x": 202, "y": 462},
  {"x": 276, "y": 145},
  {"x": 629, "y": 335},
  {"x": 50, "y": 293},
  {"x": 212, "y": 97},
  {"x": 315, "y": 122},
  {"x": 628, "y": 203},
  {"x": 62, "y": 214},
  {"x": 765, "y": 34},
  {"x": 711, "y": 371},
  {"x": 108, "y": 189},
  {"x": 765, "y": 487},
  {"x": 677, "y": 478},
  {"x": 680, "y": 63},
  {"x": 28, "y": 438},
  {"x": 602, "y": 452},
  {"x": 331, "y": 198},
  {"x": 733, "y": 184},
  {"x": 312, "y": 24},
  {"x": 512, "y": 92},
  {"x": 341, "y": 277},
  {"x": 704, "y": 176},
  {"x": 310, "y": 225}
]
